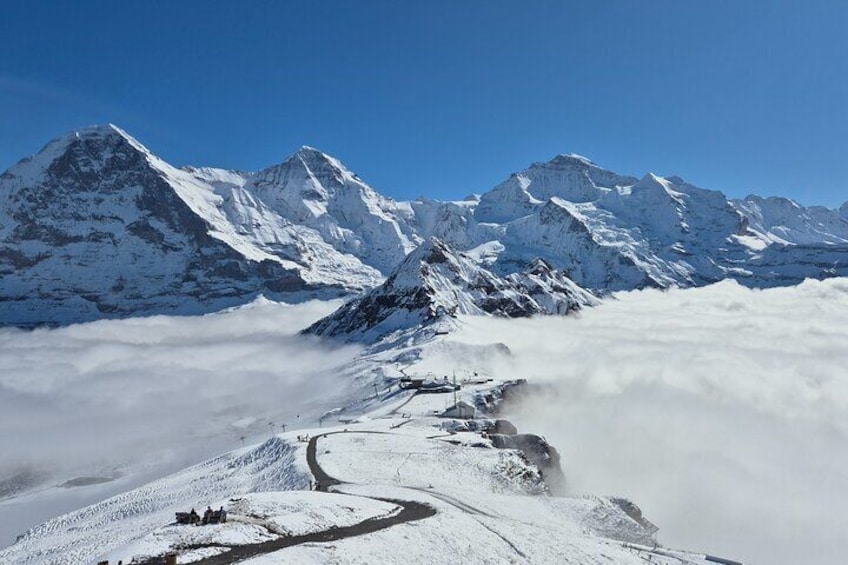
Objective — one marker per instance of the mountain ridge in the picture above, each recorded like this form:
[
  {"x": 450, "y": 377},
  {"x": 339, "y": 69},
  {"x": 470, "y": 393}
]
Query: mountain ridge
[{"x": 95, "y": 225}]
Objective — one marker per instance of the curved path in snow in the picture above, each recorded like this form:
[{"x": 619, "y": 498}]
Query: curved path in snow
[
  {"x": 325, "y": 481},
  {"x": 410, "y": 512}
]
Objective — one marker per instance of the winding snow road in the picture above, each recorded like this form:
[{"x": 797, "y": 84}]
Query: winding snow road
[{"x": 410, "y": 512}]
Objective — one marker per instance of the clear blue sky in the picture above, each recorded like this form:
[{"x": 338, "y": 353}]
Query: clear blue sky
[{"x": 445, "y": 98}]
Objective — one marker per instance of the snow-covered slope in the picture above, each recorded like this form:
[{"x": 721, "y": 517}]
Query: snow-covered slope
[
  {"x": 390, "y": 489},
  {"x": 435, "y": 283}
]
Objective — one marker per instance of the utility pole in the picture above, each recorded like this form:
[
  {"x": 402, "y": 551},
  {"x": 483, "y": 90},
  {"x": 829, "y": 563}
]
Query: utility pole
[
  {"x": 273, "y": 428},
  {"x": 454, "y": 388}
]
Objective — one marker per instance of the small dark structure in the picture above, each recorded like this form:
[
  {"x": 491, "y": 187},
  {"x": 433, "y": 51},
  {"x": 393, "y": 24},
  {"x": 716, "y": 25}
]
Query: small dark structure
[
  {"x": 438, "y": 387},
  {"x": 461, "y": 410},
  {"x": 721, "y": 560},
  {"x": 410, "y": 383}
]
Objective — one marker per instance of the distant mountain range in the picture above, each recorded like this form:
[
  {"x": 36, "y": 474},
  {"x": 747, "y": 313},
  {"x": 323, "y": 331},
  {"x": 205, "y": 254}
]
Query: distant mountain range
[{"x": 96, "y": 226}]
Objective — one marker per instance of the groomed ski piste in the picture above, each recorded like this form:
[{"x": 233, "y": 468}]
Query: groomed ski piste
[{"x": 391, "y": 481}]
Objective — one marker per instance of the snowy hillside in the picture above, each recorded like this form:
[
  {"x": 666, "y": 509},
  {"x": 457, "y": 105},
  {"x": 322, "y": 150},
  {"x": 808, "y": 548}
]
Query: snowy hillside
[
  {"x": 96, "y": 226},
  {"x": 438, "y": 484}
]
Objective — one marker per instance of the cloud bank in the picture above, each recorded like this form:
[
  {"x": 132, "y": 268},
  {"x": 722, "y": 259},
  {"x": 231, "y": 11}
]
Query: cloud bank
[
  {"x": 146, "y": 396},
  {"x": 722, "y": 411}
]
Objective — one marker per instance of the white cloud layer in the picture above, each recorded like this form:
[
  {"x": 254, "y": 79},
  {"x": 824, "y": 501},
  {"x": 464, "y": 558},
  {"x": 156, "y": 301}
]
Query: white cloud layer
[
  {"x": 148, "y": 395},
  {"x": 722, "y": 411}
]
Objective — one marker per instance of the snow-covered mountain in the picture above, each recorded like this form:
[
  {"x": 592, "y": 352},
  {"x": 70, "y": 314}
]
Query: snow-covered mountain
[
  {"x": 435, "y": 283},
  {"x": 611, "y": 232},
  {"x": 96, "y": 226},
  {"x": 315, "y": 190},
  {"x": 783, "y": 221}
]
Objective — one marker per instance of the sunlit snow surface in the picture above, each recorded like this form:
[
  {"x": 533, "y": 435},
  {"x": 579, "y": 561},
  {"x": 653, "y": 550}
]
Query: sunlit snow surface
[{"x": 722, "y": 411}]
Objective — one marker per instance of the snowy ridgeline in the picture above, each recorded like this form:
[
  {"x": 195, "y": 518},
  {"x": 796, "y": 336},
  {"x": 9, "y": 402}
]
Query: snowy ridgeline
[{"x": 97, "y": 226}]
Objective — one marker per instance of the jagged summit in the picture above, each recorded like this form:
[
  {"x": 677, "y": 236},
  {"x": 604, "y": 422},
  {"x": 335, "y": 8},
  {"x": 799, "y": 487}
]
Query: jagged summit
[
  {"x": 84, "y": 146},
  {"x": 571, "y": 177},
  {"x": 101, "y": 130},
  {"x": 655, "y": 186},
  {"x": 95, "y": 131},
  {"x": 435, "y": 282},
  {"x": 108, "y": 134},
  {"x": 571, "y": 159},
  {"x": 318, "y": 162}
]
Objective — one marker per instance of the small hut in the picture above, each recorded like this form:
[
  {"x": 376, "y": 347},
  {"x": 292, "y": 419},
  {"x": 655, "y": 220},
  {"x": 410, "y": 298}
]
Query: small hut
[{"x": 462, "y": 410}]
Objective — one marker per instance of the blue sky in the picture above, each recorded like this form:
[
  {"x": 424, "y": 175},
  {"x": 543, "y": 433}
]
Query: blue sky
[{"x": 447, "y": 98}]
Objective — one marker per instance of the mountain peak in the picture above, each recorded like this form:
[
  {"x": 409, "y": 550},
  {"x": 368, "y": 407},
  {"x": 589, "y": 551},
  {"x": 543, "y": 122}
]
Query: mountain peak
[
  {"x": 415, "y": 267},
  {"x": 434, "y": 282},
  {"x": 100, "y": 132},
  {"x": 315, "y": 159},
  {"x": 309, "y": 152},
  {"x": 85, "y": 146},
  {"x": 572, "y": 159},
  {"x": 539, "y": 267},
  {"x": 651, "y": 179}
]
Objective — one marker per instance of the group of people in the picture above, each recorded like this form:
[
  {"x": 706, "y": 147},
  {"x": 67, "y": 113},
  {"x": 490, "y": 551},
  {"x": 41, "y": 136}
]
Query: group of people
[{"x": 209, "y": 517}]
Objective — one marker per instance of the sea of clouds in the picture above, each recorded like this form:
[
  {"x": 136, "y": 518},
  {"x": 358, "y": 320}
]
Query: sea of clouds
[
  {"x": 722, "y": 411},
  {"x": 135, "y": 399}
]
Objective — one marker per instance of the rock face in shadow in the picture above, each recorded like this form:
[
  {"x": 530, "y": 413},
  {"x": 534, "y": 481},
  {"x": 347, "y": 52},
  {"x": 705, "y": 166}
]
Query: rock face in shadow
[{"x": 539, "y": 452}]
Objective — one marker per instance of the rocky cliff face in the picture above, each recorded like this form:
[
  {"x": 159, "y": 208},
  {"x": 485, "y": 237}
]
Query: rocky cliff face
[
  {"x": 435, "y": 283},
  {"x": 95, "y": 226}
]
